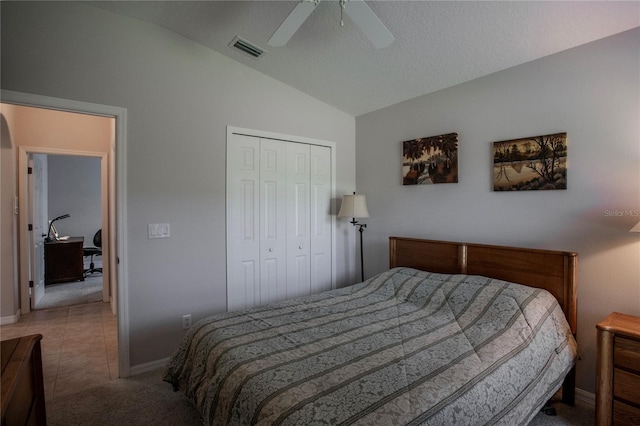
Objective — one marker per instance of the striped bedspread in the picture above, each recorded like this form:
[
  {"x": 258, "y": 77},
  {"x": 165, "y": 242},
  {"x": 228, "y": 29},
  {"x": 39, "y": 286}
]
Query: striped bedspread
[{"x": 404, "y": 347}]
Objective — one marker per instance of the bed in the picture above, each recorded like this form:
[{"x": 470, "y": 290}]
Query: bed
[{"x": 451, "y": 333}]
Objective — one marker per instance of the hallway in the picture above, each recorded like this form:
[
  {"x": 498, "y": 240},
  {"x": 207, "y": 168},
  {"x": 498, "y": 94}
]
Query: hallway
[{"x": 79, "y": 345}]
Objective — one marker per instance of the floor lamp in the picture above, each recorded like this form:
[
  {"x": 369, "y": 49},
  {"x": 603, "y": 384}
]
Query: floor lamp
[{"x": 355, "y": 207}]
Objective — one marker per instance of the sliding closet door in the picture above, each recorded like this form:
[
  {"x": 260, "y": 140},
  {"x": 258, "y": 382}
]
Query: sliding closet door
[
  {"x": 273, "y": 221},
  {"x": 243, "y": 222},
  {"x": 257, "y": 258},
  {"x": 298, "y": 220},
  {"x": 320, "y": 219}
]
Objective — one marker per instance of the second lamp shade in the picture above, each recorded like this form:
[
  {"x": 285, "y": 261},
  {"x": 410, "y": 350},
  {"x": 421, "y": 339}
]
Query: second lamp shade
[{"x": 354, "y": 206}]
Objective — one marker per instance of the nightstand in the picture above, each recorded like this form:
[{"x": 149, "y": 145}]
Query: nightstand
[{"x": 618, "y": 370}]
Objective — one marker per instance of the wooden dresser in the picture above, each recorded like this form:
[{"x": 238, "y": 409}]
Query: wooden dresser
[
  {"x": 618, "y": 370},
  {"x": 22, "y": 382}
]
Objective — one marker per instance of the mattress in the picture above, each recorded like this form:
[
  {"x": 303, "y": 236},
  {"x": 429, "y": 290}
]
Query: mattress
[{"x": 404, "y": 347}]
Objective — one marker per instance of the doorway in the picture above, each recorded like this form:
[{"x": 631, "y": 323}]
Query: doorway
[
  {"x": 113, "y": 163},
  {"x": 65, "y": 192},
  {"x": 61, "y": 133}
]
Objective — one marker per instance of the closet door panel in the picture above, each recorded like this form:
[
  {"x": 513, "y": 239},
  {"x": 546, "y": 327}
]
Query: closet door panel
[
  {"x": 273, "y": 201},
  {"x": 320, "y": 218},
  {"x": 298, "y": 224},
  {"x": 247, "y": 293},
  {"x": 243, "y": 223}
]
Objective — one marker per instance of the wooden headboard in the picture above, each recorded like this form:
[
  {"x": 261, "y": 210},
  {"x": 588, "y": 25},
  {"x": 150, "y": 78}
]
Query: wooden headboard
[{"x": 554, "y": 271}]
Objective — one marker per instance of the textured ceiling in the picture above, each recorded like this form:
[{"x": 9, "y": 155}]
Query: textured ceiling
[{"x": 438, "y": 43}]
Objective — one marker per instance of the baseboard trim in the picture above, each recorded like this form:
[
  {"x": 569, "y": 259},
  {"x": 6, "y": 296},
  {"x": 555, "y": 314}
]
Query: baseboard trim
[
  {"x": 586, "y": 398},
  {"x": 149, "y": 366},
  {"x": 10, "y": 319}
]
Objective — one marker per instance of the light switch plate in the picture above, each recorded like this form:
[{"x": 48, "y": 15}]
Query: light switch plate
[{"x": 159, "y": 230}]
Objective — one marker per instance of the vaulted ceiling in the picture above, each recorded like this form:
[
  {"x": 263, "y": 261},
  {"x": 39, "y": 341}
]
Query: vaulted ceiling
[{"x": 438, "y": 44}]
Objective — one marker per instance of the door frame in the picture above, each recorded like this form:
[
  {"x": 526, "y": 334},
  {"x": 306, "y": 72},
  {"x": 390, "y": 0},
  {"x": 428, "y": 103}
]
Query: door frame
[
  {"x": 116, "y": 175},
  {"x": 26, "y": 240},
  {"x": 36, "y": 269}
]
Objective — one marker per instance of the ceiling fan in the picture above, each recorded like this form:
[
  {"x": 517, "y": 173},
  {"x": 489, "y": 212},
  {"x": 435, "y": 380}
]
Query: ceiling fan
[{"x": 357, "y": 10}]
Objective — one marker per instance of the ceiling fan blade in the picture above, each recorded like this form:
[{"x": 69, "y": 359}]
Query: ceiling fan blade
[
  {"x": 369, "y": 23},
  {"x": 290, "y": 25}
]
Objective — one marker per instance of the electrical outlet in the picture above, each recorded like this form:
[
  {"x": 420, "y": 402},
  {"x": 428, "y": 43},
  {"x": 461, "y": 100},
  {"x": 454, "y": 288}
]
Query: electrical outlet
[{"x": 186, "y": 321}]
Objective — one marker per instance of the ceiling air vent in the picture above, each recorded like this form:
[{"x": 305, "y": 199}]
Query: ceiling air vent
[{"x": 246, "y": 47}]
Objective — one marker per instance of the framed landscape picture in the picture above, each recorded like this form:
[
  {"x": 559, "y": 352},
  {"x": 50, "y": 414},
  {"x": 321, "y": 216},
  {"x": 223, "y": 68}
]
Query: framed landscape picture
[
  {"x": 430, "y": 160},
  {"x": 530, "y": 164}
]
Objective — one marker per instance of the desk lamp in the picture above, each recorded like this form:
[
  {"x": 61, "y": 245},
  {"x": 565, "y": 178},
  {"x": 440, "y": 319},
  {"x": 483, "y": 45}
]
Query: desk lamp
[{"x": 52, "y": 228}]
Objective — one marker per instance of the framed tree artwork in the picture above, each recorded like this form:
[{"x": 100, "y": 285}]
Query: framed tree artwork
[
  {"x": 530, "y": 164},
  {"x": 430, "y": 160}
]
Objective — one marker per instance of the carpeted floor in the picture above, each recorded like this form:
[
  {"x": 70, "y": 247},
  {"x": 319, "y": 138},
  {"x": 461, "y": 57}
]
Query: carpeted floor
[
  {"x": 143, "y": 400},
  {"x": 146, "y": 400},
  {"x": 580, "y": 415},
  {"x": 73, "y": 293}
]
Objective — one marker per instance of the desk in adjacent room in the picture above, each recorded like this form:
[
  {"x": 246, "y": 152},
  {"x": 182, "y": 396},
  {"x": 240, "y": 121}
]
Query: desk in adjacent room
[{"x": 63, "y": 260}]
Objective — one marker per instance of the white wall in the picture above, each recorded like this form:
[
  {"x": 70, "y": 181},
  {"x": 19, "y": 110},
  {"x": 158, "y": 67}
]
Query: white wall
[
  {"x": 179, "y": 97},
  {"x": 74, "y": 188},
  {"x": 591, "y": 92}
]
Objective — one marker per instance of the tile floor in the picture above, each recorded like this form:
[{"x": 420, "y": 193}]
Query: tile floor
[{"x": 79, "y": 345}]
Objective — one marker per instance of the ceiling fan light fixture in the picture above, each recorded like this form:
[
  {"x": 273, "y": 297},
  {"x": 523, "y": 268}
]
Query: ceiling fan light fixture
[{"x": 358, "y": 11}]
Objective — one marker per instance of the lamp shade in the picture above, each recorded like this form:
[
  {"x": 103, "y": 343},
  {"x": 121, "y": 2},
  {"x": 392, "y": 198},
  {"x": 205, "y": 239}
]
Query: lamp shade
[
  {"x": 354, "y": 206},
  {"x": 635, "y": 228}
]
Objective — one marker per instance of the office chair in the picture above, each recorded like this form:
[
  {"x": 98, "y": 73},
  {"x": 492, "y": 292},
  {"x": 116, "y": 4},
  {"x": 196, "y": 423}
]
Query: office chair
[{"x": 93, "y": 251}]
